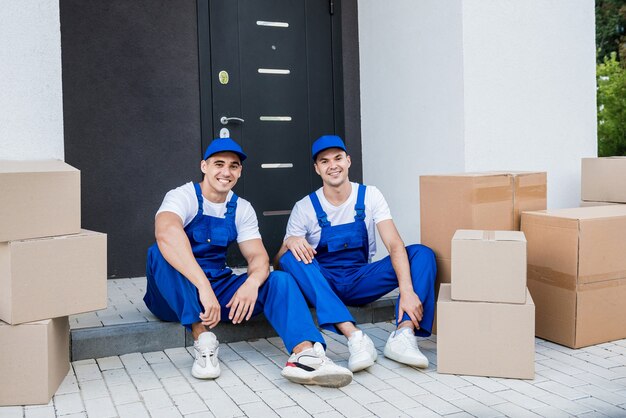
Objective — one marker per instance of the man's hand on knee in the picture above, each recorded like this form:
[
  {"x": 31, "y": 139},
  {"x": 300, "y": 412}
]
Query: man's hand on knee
[
  {"x": 242, "y": 303},
  {"x": 300, "y": 249}
]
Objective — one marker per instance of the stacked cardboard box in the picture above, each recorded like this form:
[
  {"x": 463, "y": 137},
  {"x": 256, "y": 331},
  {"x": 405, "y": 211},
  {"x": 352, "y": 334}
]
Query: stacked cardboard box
[
  {"x": 482, "y": 201},
  {"x": 34, "y": 360},
  {"x": 603, "y": 179},
  {"x": 486, "y": 316},
  {"x": 489, "y": 266},
  {"x": 49, "y": 268},
  {"x": 577, "y": 273}
]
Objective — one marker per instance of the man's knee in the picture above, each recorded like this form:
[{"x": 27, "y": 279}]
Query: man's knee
[
  {"x": 280, "y": 280},
  {"x": 289, "y": 263},
  {"x": 287, "y": 260},
  {"x": 421, "y": 251},
  {"x": 422, "y": 257},
  {"x": 156, "y": 264}
]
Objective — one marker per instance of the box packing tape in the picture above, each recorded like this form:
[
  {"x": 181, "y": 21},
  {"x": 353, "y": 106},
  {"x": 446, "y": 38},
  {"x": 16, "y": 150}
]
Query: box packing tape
[
  {"x": 489, "y": 235},
  {"x": 568, "y": 281},
  {"x": 494, "y": 194},
  {"x": 532, "y": 192}
]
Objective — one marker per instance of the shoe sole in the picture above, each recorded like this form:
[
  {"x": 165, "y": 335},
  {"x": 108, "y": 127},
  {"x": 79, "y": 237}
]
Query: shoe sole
[
  {"x": 362, "y": 365},
  {"x": 328, "y": 380},
  {"x": 405, "y": 360},
  {"x": 205, "y": 376}
]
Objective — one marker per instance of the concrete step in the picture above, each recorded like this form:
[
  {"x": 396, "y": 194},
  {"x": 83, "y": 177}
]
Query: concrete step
[{"x": 126, "y": 326}]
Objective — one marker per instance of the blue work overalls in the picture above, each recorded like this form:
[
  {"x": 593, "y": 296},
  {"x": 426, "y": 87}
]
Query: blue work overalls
[
  {"x": 172, "y": 297},
  {"x": 341, "y": 274}
]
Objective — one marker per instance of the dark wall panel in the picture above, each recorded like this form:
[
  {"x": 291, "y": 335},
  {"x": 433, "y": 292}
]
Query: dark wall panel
[
  {"x": 351, "y": 85},
  {"x": 131, "y": 114}
]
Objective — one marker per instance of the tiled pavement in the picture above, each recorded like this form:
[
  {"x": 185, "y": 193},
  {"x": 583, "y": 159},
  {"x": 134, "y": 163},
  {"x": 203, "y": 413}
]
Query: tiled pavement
[
  {"x": 125, "y": 306},
  {"x": 586, "y": 382},
  {"x": 589, "y": 382}
]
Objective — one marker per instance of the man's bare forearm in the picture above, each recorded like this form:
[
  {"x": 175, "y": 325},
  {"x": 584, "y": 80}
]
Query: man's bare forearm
[
  {"x": 176, "y": 249},
  {"x": 400, "y": 263},
  {"x": 258, "y": 269}
]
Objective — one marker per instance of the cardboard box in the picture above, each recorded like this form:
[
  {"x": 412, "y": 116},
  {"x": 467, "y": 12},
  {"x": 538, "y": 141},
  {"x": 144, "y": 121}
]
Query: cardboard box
[
  {"x": 484, "y": 338},
  {"x": 34, "y": 360},
  {"x": 486, "y": 201},
  {"x": 603, "y": 179},
  {"x": 489, "y": 266},
  {"x": 51, "y": 277},
  {"x": 39, "y": 199},
  {"x": 586, "y": 204},
  {"x": 444, "y": 270},
  {"x": 577, "y": 273}
]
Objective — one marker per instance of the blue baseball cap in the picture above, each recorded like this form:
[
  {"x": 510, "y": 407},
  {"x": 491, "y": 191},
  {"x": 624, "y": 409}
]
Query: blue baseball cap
[
  {"x": 325, "y": 142},
  {"x": 224, "y": 145}
]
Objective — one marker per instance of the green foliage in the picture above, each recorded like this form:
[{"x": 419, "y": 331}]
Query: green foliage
[
  {"x": 610, "y": 28},
  {"x": 611, "y": 79}
]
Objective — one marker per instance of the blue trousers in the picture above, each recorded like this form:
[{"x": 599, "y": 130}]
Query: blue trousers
[
  {"x": 170, "y": 296},
  {"x": 330, "y": 290}
]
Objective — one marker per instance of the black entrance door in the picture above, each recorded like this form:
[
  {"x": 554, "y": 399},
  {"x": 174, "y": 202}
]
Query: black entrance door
[
  {"x": 271, "y": 89},
  {"x": 142, "y": 98}
]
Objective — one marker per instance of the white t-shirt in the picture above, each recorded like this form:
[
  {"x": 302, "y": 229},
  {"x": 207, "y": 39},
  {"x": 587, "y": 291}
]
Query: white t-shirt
[
  {"x": 303, "y": 220},
  {"x": 183, "y": 202}
]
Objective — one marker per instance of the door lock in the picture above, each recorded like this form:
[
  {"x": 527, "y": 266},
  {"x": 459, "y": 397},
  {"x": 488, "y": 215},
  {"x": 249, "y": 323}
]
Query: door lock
[{"x": 225, "y": 120}]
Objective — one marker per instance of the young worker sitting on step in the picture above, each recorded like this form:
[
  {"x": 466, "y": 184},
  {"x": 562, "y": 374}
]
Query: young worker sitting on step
[
  {"x": 328, "y": 246},
  {"x": 188, "y": 281}
]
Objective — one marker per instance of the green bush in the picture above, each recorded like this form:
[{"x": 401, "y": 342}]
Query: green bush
[
  {"x": 611, "y": 79},
  {"x": 610, "y": 28}
]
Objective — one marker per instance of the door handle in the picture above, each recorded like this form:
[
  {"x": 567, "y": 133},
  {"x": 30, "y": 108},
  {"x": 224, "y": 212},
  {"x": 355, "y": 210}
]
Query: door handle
[{"x": 225, "y": 120}]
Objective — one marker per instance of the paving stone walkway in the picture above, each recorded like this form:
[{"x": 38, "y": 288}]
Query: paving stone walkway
[
  {"x": 124, "y": 306},
  {"x": 589, "y": 382}
]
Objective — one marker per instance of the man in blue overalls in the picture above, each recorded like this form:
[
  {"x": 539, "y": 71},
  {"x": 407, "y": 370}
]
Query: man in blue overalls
[
  {"x": 330, "y": 239},
  {"x": 188, "y": 281}
]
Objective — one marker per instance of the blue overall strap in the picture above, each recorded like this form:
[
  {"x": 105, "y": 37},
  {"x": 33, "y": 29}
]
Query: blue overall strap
[
  {"x": 359, "y": 208},
  {"x": 322, "y": 218},
  {"x": 231, "y": 206},
  {"x": 200, "y": 199}
]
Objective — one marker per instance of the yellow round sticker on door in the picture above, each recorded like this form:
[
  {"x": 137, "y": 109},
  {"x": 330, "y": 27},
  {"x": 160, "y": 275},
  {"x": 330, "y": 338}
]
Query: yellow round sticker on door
[{"x": 223, "y": 77}]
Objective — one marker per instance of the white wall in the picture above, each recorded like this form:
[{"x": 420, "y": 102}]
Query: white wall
[
  {"x": 474, "y": 85},
  {"x": 31, "y": 106},
  {"x": 411, "y": 99},
  {"x": 530, "y": 104}
]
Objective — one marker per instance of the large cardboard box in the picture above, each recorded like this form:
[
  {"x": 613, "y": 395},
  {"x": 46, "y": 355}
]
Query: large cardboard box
[
  {"x": 51, "y": 277},
  {"x": 34, "y": 360},
  {"x": 39, "y": 199},
  {"x": 488, "y": 201},
  {"x": 489, "y": 266},
  {"x": 603, "y": 179},
  {"x": 484, "y": 338},
  {"x": 577, "y": 273}
]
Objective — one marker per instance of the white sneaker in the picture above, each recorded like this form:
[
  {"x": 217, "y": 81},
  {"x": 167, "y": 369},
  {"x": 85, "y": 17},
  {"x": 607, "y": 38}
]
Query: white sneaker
[
  {"x": 312, "y": 367},
  {"x": 402, "y": 347},
  {"x": 362, "y": 351},
  {"x": 206, "y": 365}
]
